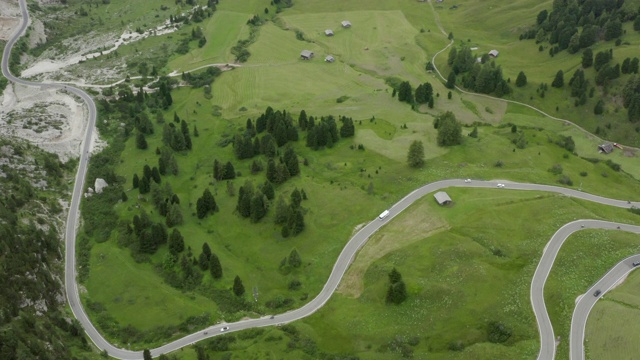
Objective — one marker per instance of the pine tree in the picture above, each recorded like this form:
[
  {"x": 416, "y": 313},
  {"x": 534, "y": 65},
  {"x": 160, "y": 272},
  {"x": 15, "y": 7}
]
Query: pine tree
[
  {"x": 272, "y": 172},
  {"x": 238, "y": 288},
  {"x": 124, "y": 197},
  {"x": 146, "y": 354},
  {"x": 141, "y": 141},
  {"x": 155, "y": 175},
  {"x": 558, "y": 81},
  {"x": 209, "y": 201},
  {"x": 294, "y": 259},
  {"x": 474, "y": 132},
  {"x": 291, "y": 161},
  {"x": 174, "y": 216},
  {"x": 201, "y": 209},
  {"x": 229, "y": 171},
  {"x": 136, "y": 181},
  {"x": 296, "y": 198},
  {"x": 145, "y": 186},
  {"x": 451, "y": 81},
  {"x": 449, "y": 130},
  {"x": 176, "y": 242},
  {"x": 302, "y": 120},
  {"x": 599, "y": 108},
  {"x": 267, "y": 190},
  {"x": 257, "y": 206},
  {"x": 521, "y": 80},
  {"x": 282, "y": 211},
  {"x": 146, "y": 172},
  {"x": 195, "y": 131},
  {"x": 415, "y": 157},
  {"x": 214, "y": 267}
]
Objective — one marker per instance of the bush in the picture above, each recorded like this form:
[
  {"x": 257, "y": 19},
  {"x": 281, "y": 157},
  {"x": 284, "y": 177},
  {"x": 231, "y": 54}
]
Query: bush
[
  {"x": 499, "y": 164},
  {"x": 497, "y": 332},
  {"x": 565, "y": 180},
  {"x": 556, "y": 169},
  {"x": 614, "y": 166},
  {"x": 583, "y": 173}
]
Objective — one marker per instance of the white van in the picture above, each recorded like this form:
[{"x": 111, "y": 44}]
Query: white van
[{"x": 384, "y": 214}]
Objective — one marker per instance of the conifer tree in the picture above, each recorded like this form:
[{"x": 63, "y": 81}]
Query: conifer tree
[
  {"x": 214, "y": 267},
  {"x": 238, "y": 287}
]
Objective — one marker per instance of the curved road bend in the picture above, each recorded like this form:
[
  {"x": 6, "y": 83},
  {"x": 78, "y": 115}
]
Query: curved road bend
[
  {"x": 588, "y": 301},
  {"x": 340, "y": 267},
  {"x": 547, "y": 337}
]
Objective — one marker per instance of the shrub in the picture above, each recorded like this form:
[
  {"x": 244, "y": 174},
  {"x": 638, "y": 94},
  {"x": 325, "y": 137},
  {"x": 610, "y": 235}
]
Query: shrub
[
  {"x": 583, "y": 173},
  {"x": 565, "y": 180},
  {"x": 556, "y": 169}
]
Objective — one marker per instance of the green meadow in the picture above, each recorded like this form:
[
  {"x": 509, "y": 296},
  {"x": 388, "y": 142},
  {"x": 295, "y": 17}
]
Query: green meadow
[
  {"x": 465, "y": 266},
  {"x": 606, "y": 335},
  {"x": 498, "y": 25}
]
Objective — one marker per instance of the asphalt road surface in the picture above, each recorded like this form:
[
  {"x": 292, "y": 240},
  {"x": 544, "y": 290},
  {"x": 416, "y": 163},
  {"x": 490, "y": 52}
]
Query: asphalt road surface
[{"x": 347, "y": 255}]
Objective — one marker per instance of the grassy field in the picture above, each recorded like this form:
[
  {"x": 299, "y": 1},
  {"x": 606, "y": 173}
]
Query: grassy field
[
  {"x": 584, "y": 258},
  {"x": 446, "y": 261},
  {"x": 469, "y": 23},
  {"x": 464, "y": 266},
  {"x": 608, "y": 336}
]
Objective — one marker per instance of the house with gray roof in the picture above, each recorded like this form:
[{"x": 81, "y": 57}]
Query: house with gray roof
[
  {"x": 442, "y": 198},
  {"x": 306, "y": 54}
]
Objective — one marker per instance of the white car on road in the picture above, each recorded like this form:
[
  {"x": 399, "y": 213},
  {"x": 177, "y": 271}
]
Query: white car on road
[
  {"x": 224, "y": 329},
  {"x": 500, "y": 185},
  {"x": 467, "y": 180}
]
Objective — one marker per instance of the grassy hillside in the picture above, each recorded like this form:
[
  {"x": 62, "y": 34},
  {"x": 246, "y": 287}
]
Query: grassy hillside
[{"x": 465, "y": 266}]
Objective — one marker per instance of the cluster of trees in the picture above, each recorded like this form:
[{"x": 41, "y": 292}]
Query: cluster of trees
[
  {"x": 423, "y": 94},
  {"x": 287, "y": 167},
  {"x": 291, "y": 215},
  {"x": 325, "y": 133},
  {"x": 144, "y": 184},
  {"x": 483, "y": 77},
  {"x": 598, "y": 19},
  {"x": 201, "y": 78},
  {"x": 223, "y": 171},
  {"x": 397, "y": 291},
  {"x": 206, "y": 204},
  {"x": 148, "y": 234},
  {"x": 254, "y": 203},
  {"x": 631, "y": 98},
  {"x": 177, "y": 139},
  {"x": 449, "y": 129}
]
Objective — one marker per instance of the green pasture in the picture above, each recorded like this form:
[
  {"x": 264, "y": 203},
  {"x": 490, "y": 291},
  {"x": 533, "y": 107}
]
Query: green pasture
[
  {"x": 444, "y": 269},
  {"x": 382, "y": 42},
  {"x": 614, "y": 322},
  {"x": 475, "y": 268},
  {"x": 125, "y": 288},
  {"x": 584, "y": 258},
  {"x": 222, "y": 32},
  {"x": 468, "y": 22}
]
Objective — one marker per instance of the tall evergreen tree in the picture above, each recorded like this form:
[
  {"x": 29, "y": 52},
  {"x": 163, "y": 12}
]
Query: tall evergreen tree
[
  {"x": 214, "y": 267},
  {"x": 296, "y": 198},
  {"x": 155, "y": 175},
  {"x": 141, "y": 141},
  {"x": 521, "y": 80},
  {"x": 176, "y": 242},
  {"x": 451, "y": 81},
  {"x": 415, "y": 157},
  {"x": 405, "y": 92},
  {"x": 302, "y": 120},
  {"x": 267, "y": 190},
  {"x": 558, "y": 81},
  {"x": 258, "y": 208},
  {"x": 238, "y": 287},
  {"x": 144, "y": 186},
  {"x": 272, "y": 172},
  {"x": 136, "y": 181},
  {"x": 291, "y": 161}
]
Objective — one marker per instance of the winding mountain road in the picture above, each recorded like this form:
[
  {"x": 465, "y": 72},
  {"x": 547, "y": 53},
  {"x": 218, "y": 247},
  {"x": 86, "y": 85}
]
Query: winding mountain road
[{"x": 347, "y": 255}]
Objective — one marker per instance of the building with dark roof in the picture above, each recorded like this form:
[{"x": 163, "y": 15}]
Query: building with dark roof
[{"x": 306, "y": 54}]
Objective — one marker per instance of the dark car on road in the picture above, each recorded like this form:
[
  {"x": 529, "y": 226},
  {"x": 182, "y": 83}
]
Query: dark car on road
[
  {"x": 637, "y": 263},
  {"x": 598, "y": 292}
]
